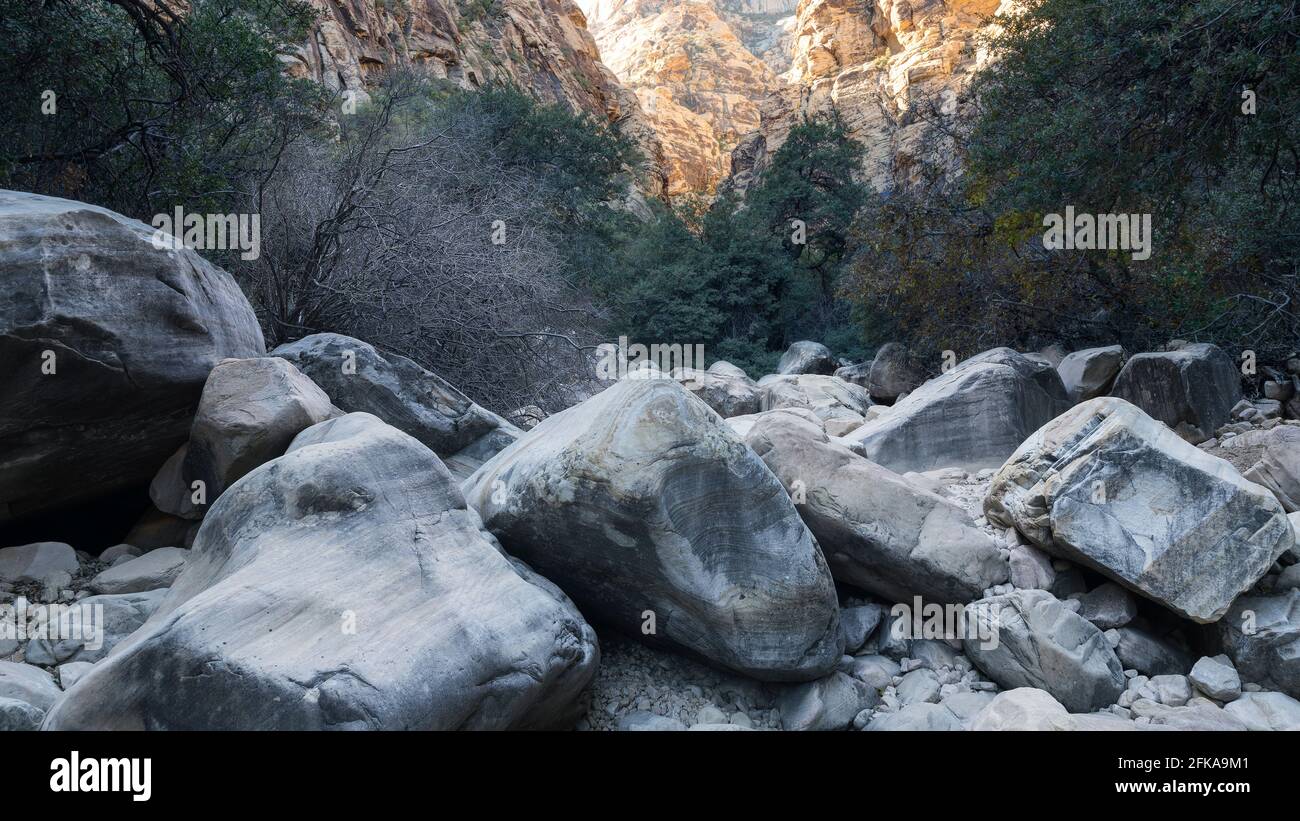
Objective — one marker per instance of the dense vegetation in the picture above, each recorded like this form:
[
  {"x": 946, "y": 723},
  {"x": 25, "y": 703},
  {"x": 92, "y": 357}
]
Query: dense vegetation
[
  {"x": 753, "y": 273},
  {"x": 1188, "y": 111},
  {"x": 494, "y": 239}
]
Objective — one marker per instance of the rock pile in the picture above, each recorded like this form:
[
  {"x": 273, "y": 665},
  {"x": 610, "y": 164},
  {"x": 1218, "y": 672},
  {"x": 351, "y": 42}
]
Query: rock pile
[{"x": 341, "y": 539}]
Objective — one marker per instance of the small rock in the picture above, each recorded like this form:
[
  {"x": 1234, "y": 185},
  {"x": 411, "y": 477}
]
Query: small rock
[
  {"x": 155, "y": 569},
  {"x": 71, "y": 673},
  {"x": 19, "y": 716},
  {"x": 919, "y": 686},
  {"x": 829, "y": 703},
  {"x": 35, "y": 562},
  {"x": 1031, "y": 568},
  {"x": 117, "y": 551},
  {"x": 1216, "y": 677},
  {"x": 649, "y": 722}
]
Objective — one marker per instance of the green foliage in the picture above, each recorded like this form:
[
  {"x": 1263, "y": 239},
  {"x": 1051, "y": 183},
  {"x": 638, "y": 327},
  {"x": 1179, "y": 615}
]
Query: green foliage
[
  {"x": 732, "y": 276},
  {"x": 152, "y": 109},
  {"x": 1115, "y": 106}
]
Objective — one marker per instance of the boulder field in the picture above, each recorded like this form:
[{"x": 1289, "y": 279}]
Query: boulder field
[{"x": 338, "y": 538}]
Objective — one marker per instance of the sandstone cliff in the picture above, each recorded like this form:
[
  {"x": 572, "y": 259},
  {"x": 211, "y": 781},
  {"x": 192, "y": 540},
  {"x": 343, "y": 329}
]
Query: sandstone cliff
[
  {"x": 885, "y": 66},
  {"x": 542, "y": 46},
  {"x": 698, "y": 83}
]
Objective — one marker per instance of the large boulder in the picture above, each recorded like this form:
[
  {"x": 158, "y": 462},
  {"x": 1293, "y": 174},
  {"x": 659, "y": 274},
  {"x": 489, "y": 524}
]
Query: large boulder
[
  {"x": 879, "y": 532},
  {"x": 644, "y": 507},
  {"x": 397, "y": 390},
  {"x": 725, "y": 368},
  {"x": 1041, "y": 643},
  {"x": 105, "y": 341},
  {"x": 1090, "y": 373},
  {"x": 344, "y": 585},
  {"x": 1191, "y": 389},
  {"x": 840, "y": 405},
  {"x": 1261, "y": 634},
  {"x": 727, "y": 394},
  {"x": 806, "y": 357},
  {"x": 249, "y": 413},
  {"x": 893, "y": 373},
  {"x": 1109, "y": 487},
  {"x": 973, "y": 417},
  {"x": 1278, "y": 468}
]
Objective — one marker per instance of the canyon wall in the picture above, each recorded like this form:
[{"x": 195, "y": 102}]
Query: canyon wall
[
  {"x": 541, "y": 46},
  {"x": 887, "y": 67}
]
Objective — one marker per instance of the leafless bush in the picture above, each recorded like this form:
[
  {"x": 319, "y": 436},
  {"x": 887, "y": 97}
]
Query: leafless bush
[{"x": 411, "y": 232}]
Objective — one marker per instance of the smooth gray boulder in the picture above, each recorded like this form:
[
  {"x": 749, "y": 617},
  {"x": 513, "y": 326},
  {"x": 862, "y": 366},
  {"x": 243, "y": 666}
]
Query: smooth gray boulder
[
  {"x": 878, "y": 531},
  {"x": 1216, "y": 677},
  {"x": 858, "y": 623},
  {"x": 1042, "y": 644},
  {"x": 728, "y": 395},
  {"x": 1109, "y": 487},
  {"x": 1198, "y": 715},
  {"x": 876, "y": 671},
  {"x": 171, "y": 494},
  {"x": 400, "y": 392},
  {"x": 922, "y": 717},
  {"x": 1278, "y": 468},
  {"x": 116, "y": 617},
  {"x": 345, "y": 585},
  {"x": 742, "y": 425},
  {"x": 893, "y": 372},
  {"x": 920, "y": 685},
  {"x": 249, "y": 413},
  {"x": 1090, "y": 373},
  {"x": 1261, "y": 634},
  {"x": 105, "y": 340},
  {"x": 35, "y": 562},
  {"x": 26, "y": 682},
  {"x": 645, "y": 508},
  {"x": 1191, "y": 389},
  {"x": 966, "y": 705},
  {"x": 1264, "y": 712},
  {"x": 972, "y": 417},
  {"x": 1023, "y": 709},
  {"x": 807, "y": 357},
  {"x": 725, "y": 368},
  {"x": 829, "y": 703},
  {"x": 837, "y": 403},
  {"x": 120, "y": 551},
  {"x": 19, "y": 716},
  {"x": 155, "y": 569}
]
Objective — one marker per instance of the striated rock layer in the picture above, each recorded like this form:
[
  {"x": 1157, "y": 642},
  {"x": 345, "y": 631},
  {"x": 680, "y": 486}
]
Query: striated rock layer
[
  {"x": 541, "y": 46},
  {"x": 887, "y": 66},
  {"x": 697, "y": 82}
]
